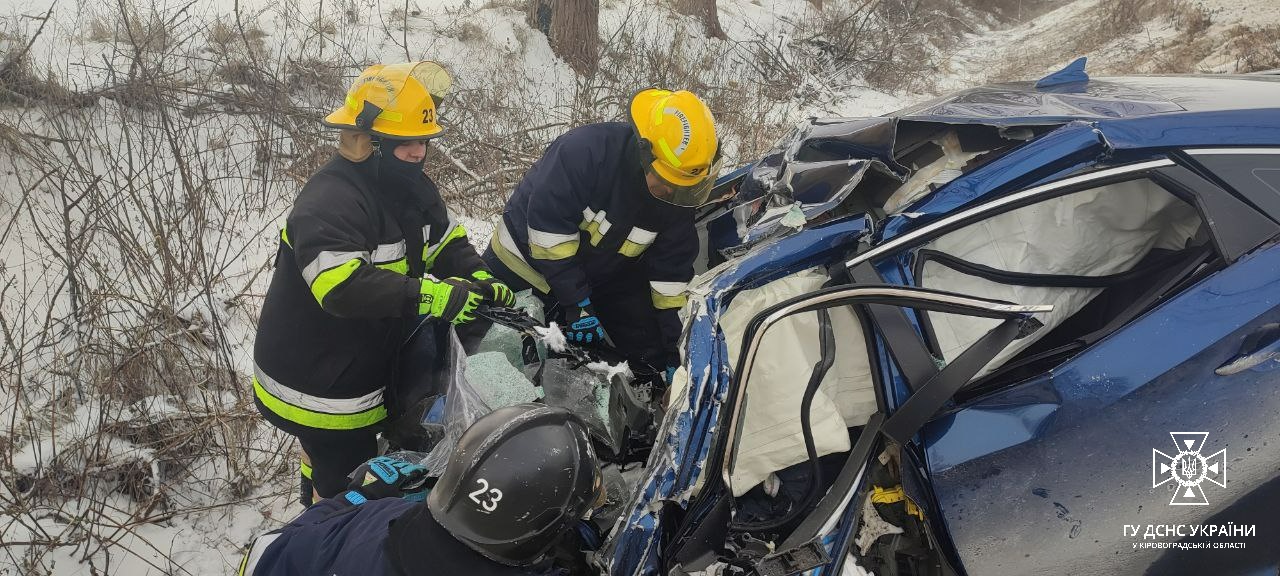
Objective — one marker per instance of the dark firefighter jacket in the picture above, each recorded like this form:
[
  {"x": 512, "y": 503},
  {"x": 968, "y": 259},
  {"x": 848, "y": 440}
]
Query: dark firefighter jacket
[
  {"x": 346, "y": 283},
  {"x": 583, "y": 217},
  {"x": 385, "y": 537}
]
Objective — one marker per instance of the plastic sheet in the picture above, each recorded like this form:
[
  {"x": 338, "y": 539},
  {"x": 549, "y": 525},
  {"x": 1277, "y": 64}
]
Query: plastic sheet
[{"x": 463, "y": 406}]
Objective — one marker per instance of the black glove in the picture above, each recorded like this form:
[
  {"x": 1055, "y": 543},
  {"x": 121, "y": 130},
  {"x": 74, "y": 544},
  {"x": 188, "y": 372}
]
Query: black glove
[{"x": 385, "y": 477}]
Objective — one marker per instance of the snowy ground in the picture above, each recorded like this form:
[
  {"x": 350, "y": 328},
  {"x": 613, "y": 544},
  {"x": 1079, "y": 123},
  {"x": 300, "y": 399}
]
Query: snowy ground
[
  {"x": 484, "y": 44},
  {"x": 1160, "y": 42}
]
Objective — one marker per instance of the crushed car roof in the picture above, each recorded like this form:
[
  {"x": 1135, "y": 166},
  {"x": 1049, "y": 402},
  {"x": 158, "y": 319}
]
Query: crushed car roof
[{"x": 1023, "y": 103}]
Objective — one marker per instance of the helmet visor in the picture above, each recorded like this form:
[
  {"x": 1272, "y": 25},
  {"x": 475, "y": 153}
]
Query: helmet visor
[
  {"x": 434, "y": 78},
  {"x": 687, "y": 195}
]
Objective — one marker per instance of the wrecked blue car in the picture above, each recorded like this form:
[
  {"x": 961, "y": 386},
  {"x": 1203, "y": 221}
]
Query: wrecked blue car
[{"x": 1030, "y": 328}]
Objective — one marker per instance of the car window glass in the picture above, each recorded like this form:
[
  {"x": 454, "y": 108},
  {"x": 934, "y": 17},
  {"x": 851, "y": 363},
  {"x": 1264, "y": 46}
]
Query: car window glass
[
  {"x": 771, "y": 437},
  {"x": 1252, "y": 173},
  {"x": 1114, "y": 237},
  {"x": 1269, "y": 177}
]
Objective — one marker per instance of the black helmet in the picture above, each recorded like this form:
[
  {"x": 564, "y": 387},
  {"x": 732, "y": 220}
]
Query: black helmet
[{"x": 517, "y": 480}]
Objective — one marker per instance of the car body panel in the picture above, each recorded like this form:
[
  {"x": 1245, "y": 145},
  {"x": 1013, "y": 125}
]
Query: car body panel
[
  {"x": 1076, "y": 430},
  {"x": 1021, "y": 103},
  {"x": 676, "y": 465},
  {"x": 1068, "y": 454}
]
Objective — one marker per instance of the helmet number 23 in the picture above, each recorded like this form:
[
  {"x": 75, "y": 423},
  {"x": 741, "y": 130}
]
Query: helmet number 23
[
  {"x": 486, "y": 497},
  {"x": 428, "y": 115}
]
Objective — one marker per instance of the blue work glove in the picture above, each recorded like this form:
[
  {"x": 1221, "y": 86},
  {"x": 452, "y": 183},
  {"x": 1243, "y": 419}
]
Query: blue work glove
[
  {"x": 385, "y": 477},
  {"x": 584, "y": 327}
]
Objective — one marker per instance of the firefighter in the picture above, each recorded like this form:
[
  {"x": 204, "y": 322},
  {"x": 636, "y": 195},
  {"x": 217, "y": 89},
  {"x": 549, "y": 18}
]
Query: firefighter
[
  {"x": 601, "y": 227},
  {"x": 368, "y": 250},
  {"x": 511, "y": 498}
]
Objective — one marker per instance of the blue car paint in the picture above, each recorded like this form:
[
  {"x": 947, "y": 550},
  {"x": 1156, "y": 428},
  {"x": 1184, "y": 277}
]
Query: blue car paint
[
  {"x": 1204, "y": 129},
  {"x": 1106, "y": 409},
  {"x": 687, "y": 434},
  {"x": 1035, "y": 415}
]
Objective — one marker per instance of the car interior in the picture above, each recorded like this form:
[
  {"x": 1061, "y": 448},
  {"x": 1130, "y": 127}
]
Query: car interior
[{"x": 1101, "y": 256}]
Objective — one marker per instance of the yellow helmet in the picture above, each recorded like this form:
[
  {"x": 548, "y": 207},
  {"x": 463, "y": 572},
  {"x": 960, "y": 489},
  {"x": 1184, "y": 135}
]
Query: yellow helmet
[
  {"x": 678, "y": 142},
  {"x": 396, "y": 101}
]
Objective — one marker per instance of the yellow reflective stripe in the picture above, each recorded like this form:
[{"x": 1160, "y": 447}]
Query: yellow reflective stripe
[
  {"x": 659, "y": 107},
  {"x": 430, "y": 253},
  {"x": 284, "y": 235},
  {"x": 400, "y": 266},
  {"x": 326, "y": 281},
  {"x": 667, "y": 153},
  {"x": 313, "y": 419},
  {"x": 304, "y": 469},
  {"x": 631, "y": 249},
  {"x": 592, "y": 228},
  {"x": 668, "y": 294},
  {"x": 637, "y": 241},
  {"x": 505, "y": 248},
  {"x": 894, "y": 495},
  {"x": 663, "y": 302},
  {"x": 557, "y": 252},
  {"x": 355, "y": 106},
  {"x": 253, "y": 554}
]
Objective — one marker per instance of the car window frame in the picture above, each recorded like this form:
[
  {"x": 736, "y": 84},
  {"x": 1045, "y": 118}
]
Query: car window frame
[
  {"x": 1246, "y": 226},
  {"x": 715, "y": 496}
]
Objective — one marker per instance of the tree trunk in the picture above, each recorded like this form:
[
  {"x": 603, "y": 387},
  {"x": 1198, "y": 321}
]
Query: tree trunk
[
  {"x": 572, "y": 28},
  {"x": 817, "y": 4},
  {"x": 704, "y": 10}
]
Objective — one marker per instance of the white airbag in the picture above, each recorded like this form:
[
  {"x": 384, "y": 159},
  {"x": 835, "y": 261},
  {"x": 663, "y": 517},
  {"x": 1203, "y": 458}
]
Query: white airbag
[
  {"x": 771, "y": 435},
  {"x": 1097, "y": 232}
]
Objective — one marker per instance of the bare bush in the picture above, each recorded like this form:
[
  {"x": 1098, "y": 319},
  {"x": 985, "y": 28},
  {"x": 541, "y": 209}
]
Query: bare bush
[
  {"x": 1254, "y": 48},
  {"x": 888, "y": 45}
]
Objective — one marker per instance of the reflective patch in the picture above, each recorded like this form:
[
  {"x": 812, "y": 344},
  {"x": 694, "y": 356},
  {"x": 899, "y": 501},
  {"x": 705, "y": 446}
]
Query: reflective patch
[
  {"x": 638, "y": 240},
  {"x": 304, "y": 469},
  {"x": 430, "y": 253},
  {"x": 260, "y": 545},
  {"x": 331, "y": 278},
  {"x": 388, "y": 253},
  {"x": 667, "y": 295},
  {"x": 595, "y": 224},
  {"x": 504, "y": 246},
  {"x": 329, "y": 406},
  {"x": 328, "y": 260},
  {"x": 552, "y": 246},
  {"x": 549, "y": 239},
  {"x": 400, "y": 266}
]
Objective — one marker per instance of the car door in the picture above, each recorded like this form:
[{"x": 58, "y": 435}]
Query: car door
[
  {"x": 1114, "y": 448},
  {"x": 823, "y": 537}
]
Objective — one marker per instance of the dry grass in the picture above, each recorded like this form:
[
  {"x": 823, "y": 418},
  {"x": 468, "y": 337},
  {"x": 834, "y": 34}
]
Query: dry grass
[{"x": 1254, "y": 48}]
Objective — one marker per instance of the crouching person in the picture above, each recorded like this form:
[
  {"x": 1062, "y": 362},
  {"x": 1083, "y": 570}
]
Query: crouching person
[{"x": 520, "y": 480}]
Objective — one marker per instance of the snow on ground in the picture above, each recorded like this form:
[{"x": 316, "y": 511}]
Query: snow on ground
[{"x": 1181, "y": 37}]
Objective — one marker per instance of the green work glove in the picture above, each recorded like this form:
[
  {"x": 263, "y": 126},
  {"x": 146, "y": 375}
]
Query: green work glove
[
  {"x": 497, "y": 292},
  {"x": 453, "y": 299}
]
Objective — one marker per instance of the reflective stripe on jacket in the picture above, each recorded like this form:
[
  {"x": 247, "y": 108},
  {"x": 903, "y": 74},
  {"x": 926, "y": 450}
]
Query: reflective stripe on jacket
[
  {"x": 344, "y": 285},
  {"x": 583, "y": 216}
]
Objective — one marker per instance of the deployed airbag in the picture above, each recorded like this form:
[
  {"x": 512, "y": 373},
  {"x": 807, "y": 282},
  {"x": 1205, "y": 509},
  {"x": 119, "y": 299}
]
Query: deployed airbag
[
  {"x": 1097, "y": 232},
  {"x": 771, "y": 437}
]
